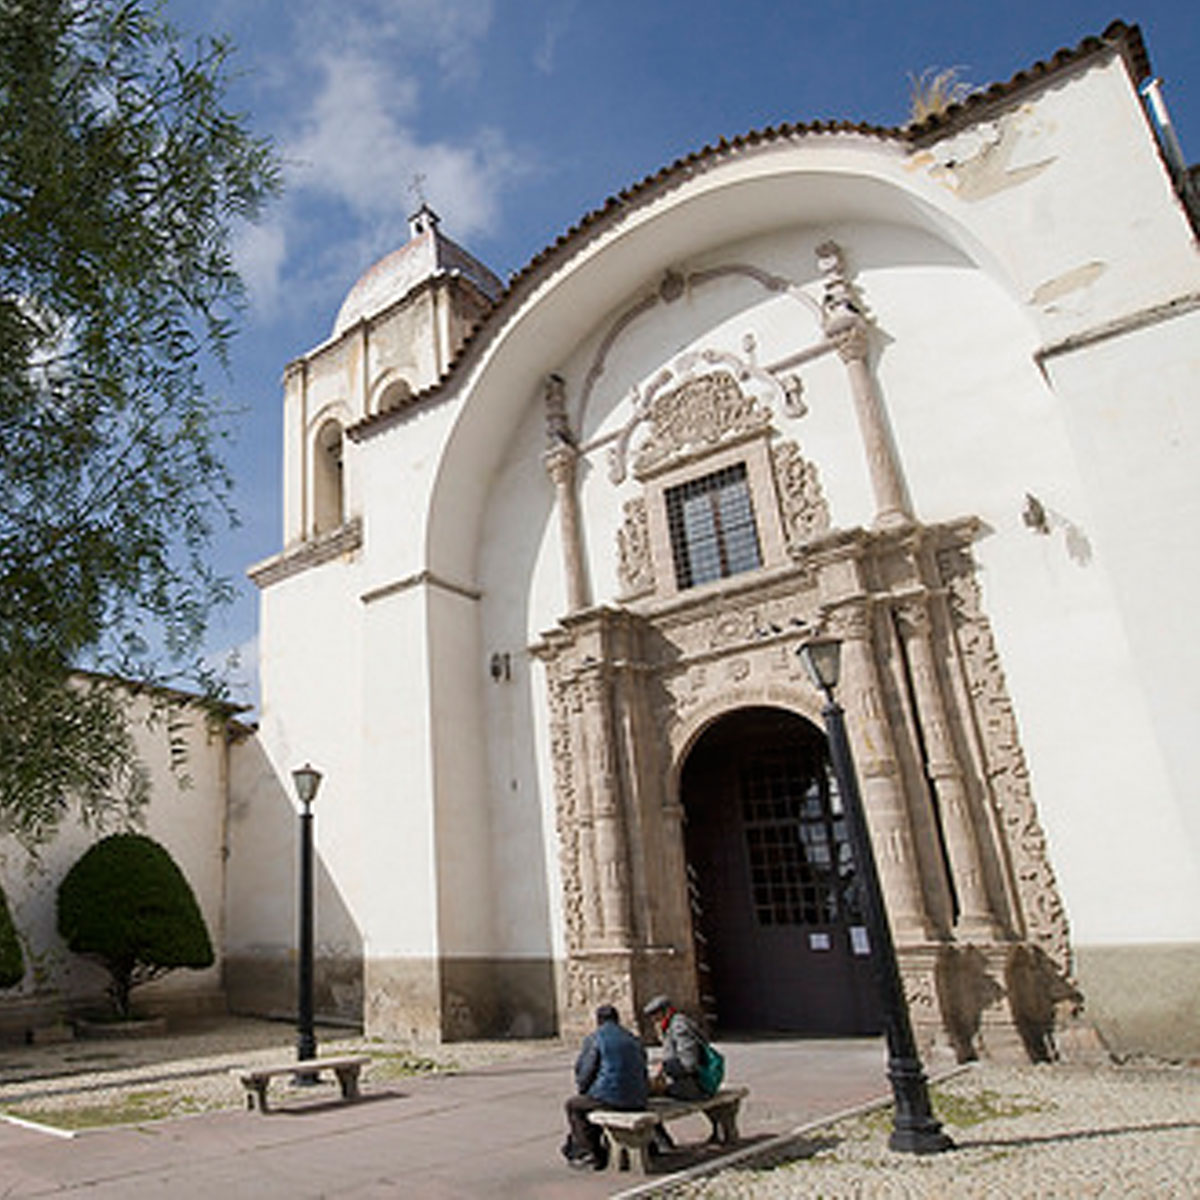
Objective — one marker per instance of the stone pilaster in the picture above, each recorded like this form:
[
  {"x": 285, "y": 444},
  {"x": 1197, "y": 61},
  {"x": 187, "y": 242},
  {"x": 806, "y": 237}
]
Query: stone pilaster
[
  {"x": 609, "y": 841},
  {"x": 879, "y": 773},
  {"x": 975, "y": 920}
]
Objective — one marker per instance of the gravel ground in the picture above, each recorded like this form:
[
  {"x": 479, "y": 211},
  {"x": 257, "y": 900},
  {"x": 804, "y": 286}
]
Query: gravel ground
[{"x": 1061, "y": 1131}]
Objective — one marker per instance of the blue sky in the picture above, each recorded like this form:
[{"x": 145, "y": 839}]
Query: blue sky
[{"x": 522, "y": 115}]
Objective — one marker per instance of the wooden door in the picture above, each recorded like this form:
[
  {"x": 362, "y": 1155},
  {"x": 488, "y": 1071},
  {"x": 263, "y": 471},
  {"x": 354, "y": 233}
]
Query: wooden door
[{"x": 779, "y": 933}]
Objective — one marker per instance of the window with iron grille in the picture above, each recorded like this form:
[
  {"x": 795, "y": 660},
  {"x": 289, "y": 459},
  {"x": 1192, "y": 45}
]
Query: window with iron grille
[{"x": 711, "y": 522}]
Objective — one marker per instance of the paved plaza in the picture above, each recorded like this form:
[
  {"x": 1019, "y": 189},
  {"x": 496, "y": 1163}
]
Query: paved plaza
[{"x": 489, "y": 1124}]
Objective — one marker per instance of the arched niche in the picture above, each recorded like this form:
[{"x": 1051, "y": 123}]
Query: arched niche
[{"x": 328, "y": 486}]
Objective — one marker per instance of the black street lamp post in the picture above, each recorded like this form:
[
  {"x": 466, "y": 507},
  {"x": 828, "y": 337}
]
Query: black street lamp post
[
  {"x": 915, "y": 1130},
  {"x": 308, "y": 780}
]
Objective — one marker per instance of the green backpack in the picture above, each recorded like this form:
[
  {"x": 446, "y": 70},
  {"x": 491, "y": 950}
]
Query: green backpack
[{"x": 712, "y": 1070}]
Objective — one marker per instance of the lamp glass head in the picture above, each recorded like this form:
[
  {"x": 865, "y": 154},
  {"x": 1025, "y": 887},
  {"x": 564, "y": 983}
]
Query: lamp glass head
[
  {"x": 308, "y": 780},
  {"x": 822, "y": 659}
]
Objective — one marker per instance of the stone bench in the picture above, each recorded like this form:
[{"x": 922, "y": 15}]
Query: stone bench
[
  {"x": 635, "y": 1130},
  {"x": 257, "y": 1079}
]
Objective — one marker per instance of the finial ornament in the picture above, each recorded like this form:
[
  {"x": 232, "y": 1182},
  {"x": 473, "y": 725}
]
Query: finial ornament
[
  {"x": 558, "y": 427},
  {"x": 424, "y": 220},
  {"x": 842, "y": 311}
]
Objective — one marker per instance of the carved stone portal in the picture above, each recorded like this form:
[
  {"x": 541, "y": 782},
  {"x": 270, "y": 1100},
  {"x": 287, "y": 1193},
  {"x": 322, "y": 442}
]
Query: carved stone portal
[{"x": 631, "y": 688}]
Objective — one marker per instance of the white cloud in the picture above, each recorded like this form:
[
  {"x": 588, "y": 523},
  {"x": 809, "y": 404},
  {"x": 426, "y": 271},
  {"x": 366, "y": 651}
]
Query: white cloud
[
  {"x": 557, "y": 20},
  {"x": 449, "y": 32},
  {"x": 362, "y": 99},
  {"x": 359, "y": 144},
  {"x": 259, "y": 251}
]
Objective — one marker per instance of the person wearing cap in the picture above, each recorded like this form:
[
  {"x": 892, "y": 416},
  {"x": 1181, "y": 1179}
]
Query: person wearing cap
[
  {"x": 682, "y": 1051},
  {"x": 610, "y": 1072}
]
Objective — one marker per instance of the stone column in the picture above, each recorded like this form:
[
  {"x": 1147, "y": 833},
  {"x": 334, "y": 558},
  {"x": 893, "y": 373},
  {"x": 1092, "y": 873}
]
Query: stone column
[
  {"x": 975, "y": 918},
  {"x": 847, "y": 328},
  {"x": 560, "y": 459},
  {"x": 879, "y": 772},
  {"x": 578, "y": 817},
  {"x": 607, "y": 813}
]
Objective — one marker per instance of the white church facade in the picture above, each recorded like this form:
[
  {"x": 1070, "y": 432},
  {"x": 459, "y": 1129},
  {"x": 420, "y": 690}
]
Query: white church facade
[
  {"x": 551, "y": 546},
  {"x": 550, "y": 549}
]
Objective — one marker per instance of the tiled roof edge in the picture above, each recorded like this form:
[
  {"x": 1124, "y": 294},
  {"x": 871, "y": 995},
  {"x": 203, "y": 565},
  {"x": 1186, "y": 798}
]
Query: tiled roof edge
[
  {"x": 1118, "y": 37},
  {"x": 587, "y": 224}
]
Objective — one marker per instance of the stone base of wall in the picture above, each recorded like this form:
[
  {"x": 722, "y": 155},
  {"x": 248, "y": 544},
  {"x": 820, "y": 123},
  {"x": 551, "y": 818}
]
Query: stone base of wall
[
  {"x": 50, "y": 1017},
  {"x": 498, "y": 997},
  {"x": 1143, "y": 999},
  {"x": 34, "y": 1019},
  {"x": 458, "y": 999},
  {"x": 402, "y": 999},
  {"x": 264, "y": 985}
]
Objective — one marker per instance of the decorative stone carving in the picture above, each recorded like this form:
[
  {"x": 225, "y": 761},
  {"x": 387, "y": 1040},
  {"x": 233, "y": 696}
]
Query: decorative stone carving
[
  {"x": 630, "y": 689},
  {"x": 793, "y": 396},
  {"x": 775, "y": 389},
  {"x": 635, "y": 564},
  {"x": 1004, "y": 761},
  {"x": 560, "y": 459},
  {"x": 701, "y": 414},
  {"x": 975, "y": 920},
  {"x": 803, "y": 507},
  {"x": 567, "y": 803},
  {"x": 842, "y": 309},
  {"x": 558, "y": 429}
]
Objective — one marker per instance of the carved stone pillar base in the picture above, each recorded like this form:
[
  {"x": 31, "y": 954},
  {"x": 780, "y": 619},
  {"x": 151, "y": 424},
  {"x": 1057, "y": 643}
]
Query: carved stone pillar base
[{"x": 627, "y": 979}]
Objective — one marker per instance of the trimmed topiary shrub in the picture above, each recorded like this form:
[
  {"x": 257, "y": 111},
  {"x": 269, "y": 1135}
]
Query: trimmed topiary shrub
[
  {"x": 128, "y": 906},
  {"x": 12, "y": 957}
]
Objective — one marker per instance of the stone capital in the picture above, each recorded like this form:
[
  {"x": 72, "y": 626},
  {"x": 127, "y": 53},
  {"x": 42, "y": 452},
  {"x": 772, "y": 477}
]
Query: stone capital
[{"x": 560, "y": 464}]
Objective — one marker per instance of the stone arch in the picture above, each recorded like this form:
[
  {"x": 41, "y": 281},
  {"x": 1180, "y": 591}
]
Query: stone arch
[
  {"x": 598, "y": 274},
  {"x": 393, "y": 392},
  {"x": 800, "y": 702}
]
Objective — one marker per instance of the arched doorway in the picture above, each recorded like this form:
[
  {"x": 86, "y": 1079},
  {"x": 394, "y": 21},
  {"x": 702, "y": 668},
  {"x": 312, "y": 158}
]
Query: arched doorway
[{"x": 779, "y": 935}]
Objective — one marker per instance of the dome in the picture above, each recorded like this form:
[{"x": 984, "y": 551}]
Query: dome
[{"x": 426, "y": 254}]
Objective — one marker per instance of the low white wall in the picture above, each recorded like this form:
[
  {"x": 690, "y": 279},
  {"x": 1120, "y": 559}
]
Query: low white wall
[{"x": 186, "y": 815}]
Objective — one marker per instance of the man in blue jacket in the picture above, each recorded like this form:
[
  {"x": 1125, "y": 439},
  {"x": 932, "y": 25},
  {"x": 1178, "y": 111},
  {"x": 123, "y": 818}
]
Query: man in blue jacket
[{"x": 610, "y": 1072}]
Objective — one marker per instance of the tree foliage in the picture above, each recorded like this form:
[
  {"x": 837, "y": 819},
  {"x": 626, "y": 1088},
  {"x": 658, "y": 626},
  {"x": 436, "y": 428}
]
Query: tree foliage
[
  {"x": 127, "y": 904},
  {"x": 12, "y": 957},
  {"x": 123, "y": 176}
]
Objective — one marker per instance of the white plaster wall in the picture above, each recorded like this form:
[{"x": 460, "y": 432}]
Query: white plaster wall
[
  {"x": 1069, "y": 193},
  {"x": 311, "y": 711},
  {"x": 1129, "y": 408},
  {"x": 522, "y": 582},
  {"x": 397, "y": 880},
  {"x": 396, "y": 471},
  {"x": 465, "y": 819},
  {"x": 186, "y": 816}
]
